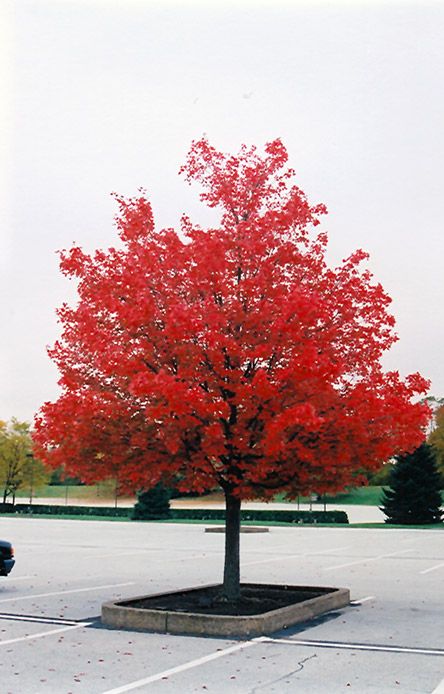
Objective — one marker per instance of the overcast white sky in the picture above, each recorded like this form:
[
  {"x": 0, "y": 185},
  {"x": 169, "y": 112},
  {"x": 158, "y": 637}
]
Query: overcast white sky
[{"x": 106, "y": 95}]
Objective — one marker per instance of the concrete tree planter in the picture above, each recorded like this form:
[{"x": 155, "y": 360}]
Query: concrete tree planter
[
  {"x": 244, "y": 529},
  {"x": 193, "y": 611}
]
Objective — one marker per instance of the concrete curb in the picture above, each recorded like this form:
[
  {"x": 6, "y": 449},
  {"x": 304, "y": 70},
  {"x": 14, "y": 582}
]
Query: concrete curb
[
  {"x": 244, "y": 529},
  {"x": 121, "y": 615}
]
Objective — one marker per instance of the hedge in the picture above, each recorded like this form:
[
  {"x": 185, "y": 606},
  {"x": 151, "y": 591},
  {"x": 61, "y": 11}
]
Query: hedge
[
  {"x": 304, "y": 517},
  {"x": 263, "y": 515},
  {"x": 65, "y": 510}
]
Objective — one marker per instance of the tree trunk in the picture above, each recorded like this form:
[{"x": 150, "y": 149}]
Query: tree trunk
[{"x": 231, "y": 587}]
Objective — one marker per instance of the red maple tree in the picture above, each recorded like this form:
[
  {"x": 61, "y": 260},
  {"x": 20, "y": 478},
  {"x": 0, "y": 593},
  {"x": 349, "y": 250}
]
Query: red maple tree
[{"x": 230, "y": 356}]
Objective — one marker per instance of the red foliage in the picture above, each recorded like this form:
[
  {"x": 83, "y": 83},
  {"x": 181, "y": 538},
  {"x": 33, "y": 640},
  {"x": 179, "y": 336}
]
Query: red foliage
[{"x": 231, "y": 356}]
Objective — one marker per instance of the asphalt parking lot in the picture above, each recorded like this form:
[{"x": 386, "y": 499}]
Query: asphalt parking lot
[{"x": 391, "y": 639}]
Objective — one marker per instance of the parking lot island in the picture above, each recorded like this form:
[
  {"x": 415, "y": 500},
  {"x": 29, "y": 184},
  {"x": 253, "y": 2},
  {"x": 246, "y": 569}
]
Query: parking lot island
[{"x": 282, "y": 606}]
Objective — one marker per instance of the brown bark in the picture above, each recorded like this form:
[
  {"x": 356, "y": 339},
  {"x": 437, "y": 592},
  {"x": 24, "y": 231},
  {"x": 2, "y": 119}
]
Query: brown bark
[{"x": 231, "y": 585}]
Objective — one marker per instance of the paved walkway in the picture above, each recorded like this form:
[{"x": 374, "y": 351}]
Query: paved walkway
[{"x": 355, "y": 513}]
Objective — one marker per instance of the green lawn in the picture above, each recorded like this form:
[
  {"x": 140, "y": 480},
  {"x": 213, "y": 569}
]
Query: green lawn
[
  {"x": 73, "y": 491},
  {"x": 367, "y": 496},
  {"x": 364, "y": 496}
]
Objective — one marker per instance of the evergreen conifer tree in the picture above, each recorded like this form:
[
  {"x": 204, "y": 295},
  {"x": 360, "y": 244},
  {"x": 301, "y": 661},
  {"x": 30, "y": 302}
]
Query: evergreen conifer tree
[
  {"x": 414, "y": 493},
  {"x": 152, "y": 504}
]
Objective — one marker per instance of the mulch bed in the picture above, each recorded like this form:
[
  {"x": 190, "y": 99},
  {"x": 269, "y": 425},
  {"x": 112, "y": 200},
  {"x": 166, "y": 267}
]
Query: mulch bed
[{"x": 255, "y": 599}]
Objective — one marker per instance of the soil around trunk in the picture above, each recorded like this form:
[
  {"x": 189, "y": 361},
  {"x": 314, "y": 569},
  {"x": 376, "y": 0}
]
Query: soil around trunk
[{"x": 255, "y": 599}]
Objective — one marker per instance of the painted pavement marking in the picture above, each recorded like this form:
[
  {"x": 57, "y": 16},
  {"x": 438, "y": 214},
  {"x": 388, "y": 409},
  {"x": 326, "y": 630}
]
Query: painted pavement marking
[
  {"x": 356, "y": 646},
  {"x": 439, "y": 689},
  {"x": 359, "y": 601},
  {"x": 293, "y": 556},
  {"x": 367, "y": 560},
  {"x": 65, "y": 592},
  {"x": 42, "y": 634},
  {"x": 432, "y": 568},
  {"x": 41, "y": 620},
  {"x": 264, "y": 640},
  {"x": 185, "y": 666}
]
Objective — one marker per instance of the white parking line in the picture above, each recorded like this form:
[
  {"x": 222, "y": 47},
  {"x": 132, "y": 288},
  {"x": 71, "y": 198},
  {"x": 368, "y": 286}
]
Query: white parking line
[
  {"x": 42, "y": 634},
  {"x": 140, "y": 552},
  {"x": 439, "y": 689},
  {"x": 264, "y": 639},
  {"x": 432, "y": 568},
  {"x": 120, "y": 554},
  {"x": 65, "y": 592},
  {"x": 293, "y": 556},
  {"x": 362, "y": 600},
  {"x": 355, "y": 646},
  {"x": 366, "y": 561},
  {"x": 40, "y": 620},
  {"x": 186, "y": 666}
]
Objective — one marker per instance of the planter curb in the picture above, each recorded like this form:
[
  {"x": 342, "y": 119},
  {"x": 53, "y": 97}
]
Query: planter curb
[{"x": 121, "y": 615}]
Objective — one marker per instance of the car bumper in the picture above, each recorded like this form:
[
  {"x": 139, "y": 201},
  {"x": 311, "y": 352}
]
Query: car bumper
[{"x": 6, "y": 566}]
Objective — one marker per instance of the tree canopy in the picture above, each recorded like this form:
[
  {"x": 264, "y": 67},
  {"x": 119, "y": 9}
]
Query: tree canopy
[
  {"x": 18, "y": 467},
  {"x": 231, "y": 356}
]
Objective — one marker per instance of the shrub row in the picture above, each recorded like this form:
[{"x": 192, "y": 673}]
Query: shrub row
[
  {"x": 180, "y": 513},
  {"x": 65, "y": 510},
  {"x": 263, "y": 515}
]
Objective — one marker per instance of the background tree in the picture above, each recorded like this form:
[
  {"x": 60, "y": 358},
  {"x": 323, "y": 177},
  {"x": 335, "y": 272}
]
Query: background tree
[
  {"x": 58, "y": 478},
  {"x": 382, "y": 476},
  {"x": 18, "y": 467},
  {"x": 110, "y": 489},
  {"x": 152, "y": 504},
  {"x": 436, "y": 438},
  {"x": 232, "y": 356},
  {"x": 414, "y": 495}
]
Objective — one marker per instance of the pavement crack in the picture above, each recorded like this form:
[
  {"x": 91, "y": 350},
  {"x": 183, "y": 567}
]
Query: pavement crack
[{"x": 301, "y": 664}]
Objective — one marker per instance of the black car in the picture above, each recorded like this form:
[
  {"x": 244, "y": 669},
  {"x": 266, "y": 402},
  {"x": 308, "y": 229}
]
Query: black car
[{"x": 7, "y": 560}]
